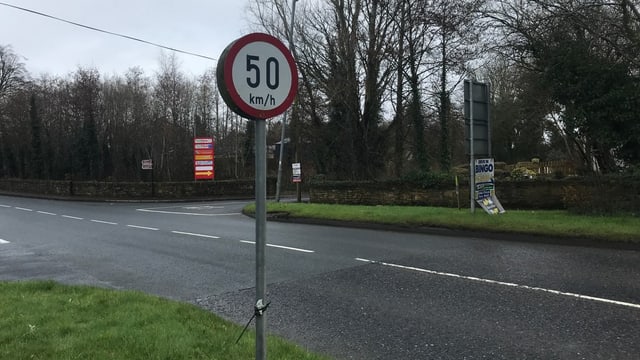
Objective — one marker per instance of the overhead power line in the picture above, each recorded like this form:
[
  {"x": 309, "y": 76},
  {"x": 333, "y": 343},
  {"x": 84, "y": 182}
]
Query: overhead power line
[{"x": 108, "y": 32}]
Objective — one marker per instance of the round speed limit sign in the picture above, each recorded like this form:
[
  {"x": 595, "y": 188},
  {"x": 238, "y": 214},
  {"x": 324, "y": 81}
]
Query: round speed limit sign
[{"x": 257, "y": 76}]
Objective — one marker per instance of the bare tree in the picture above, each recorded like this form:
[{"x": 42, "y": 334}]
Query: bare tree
[
  {"x": 12, "y": 77},
  {"x": 456, "y": 27},
  {"x": 12, "y": 71}
]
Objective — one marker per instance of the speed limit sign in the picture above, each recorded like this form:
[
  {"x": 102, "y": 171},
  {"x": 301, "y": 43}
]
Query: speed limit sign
[{"x": 257, "y": 76}]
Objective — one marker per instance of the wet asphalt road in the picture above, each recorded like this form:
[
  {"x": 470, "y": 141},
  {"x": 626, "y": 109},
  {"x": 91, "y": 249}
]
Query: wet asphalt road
[{"x": 347, "y": 293}]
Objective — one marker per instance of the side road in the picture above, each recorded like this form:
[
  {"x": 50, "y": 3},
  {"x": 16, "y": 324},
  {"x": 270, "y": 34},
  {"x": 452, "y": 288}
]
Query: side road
[{"x": 449, "y": 230}]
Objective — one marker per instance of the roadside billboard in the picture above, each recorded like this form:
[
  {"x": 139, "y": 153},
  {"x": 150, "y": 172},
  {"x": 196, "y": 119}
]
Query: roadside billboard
[
  {"x": 485, "y": 186},
  {"x": 203, "y": 158}
]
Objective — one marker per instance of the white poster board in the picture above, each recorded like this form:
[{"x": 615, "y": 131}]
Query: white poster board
[{"x": 485, "y": 186}]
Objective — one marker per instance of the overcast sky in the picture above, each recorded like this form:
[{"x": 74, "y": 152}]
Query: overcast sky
[{"x": 48, "y": 46}]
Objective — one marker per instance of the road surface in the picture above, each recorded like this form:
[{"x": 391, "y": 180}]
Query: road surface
[{"x": 347, "y": 293}]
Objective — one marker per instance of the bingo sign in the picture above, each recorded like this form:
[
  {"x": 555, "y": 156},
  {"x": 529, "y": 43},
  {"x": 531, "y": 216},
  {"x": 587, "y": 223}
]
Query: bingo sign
[
  {"x": 485, "y": 193},
  {"x": 203, "y": 159},
  {"x": 257, "y": 76},
  {"x": 484, "y": 179}
]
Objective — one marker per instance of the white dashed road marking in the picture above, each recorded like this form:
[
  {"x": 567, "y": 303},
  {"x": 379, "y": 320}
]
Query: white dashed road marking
[
  {"x": 72, "y": 217},
  {"x": 104, "y": 222},
  {"x": 197, "y": 235},
  {"x": 207, "y": 207},
  {"x": 184, "y": 213},
  {"x": 279, "y": 247},
  {"x": 143, "y": 227},
  {"x": 487, "y": 281}
]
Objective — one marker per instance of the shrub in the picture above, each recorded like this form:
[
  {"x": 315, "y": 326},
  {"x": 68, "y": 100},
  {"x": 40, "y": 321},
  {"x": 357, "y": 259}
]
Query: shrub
[{"x": 521, "y": 173}]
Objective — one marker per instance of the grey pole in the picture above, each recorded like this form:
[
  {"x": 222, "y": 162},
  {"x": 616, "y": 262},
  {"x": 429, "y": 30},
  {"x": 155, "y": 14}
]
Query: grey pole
[
  {"x": 261, "y": 221},
  {"x": 472, "y": 178},
  {"x": 284, "y": 116}
]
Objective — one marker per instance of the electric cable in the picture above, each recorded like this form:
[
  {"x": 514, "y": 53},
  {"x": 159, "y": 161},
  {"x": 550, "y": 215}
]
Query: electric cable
[{"x": 108, "y": 32}]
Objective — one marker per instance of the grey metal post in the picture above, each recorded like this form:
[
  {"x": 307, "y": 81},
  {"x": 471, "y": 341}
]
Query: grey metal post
[
  {"x": 472, "y": 160},
  {"x": 489, "y": 132},
  {"x": 281, "y": 158},
  {"x": 284, "y": 116},
  {"x": 261, "y": 222}
]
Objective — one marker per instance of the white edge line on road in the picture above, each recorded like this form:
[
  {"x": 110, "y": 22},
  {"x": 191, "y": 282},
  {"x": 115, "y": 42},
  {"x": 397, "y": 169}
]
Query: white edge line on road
[
  {"x": 217, "y": 205},
  {"x": 142, "y": 227},
  {"x": 197, "y": 235},
  {"x": 280, "y": 247},
  {"x": 104, "y": 222},
  {"x": 72, "y": 217},
  {"x": 23, "y": 209},
  {"x": 45, "y": 213},
  {"x": 3, "y": 241},
  {"x": 4, "y": 206},
  {"x": 184, "y": 213},
  {"x": 556, "y": 292}
]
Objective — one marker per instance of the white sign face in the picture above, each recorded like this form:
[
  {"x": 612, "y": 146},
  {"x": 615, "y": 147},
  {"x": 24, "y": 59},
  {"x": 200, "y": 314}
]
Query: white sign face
[
  {"x": 262, "y": 76},
  {"x": 296, "y": 170},
  {"x": 147, "y": 164},
  {"x": 204, "y": 168},
  {"x": 296, "y": 173},
  {"x": 204, "y": 162}
]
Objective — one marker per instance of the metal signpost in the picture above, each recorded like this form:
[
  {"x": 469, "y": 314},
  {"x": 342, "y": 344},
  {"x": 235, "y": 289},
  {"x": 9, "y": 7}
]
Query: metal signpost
[
  {"x": 472, "y": 180},
  {"x": 147, "y": 164},
  {"x": 258, "y": 79},
  {"x": 284, "y": 117},
  {"x": 476, "y": 114}
]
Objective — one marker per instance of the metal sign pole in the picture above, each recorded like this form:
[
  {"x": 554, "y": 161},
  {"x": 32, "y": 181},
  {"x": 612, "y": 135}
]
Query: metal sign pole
[
  {"x": 284, "y": 116},
  {"x": 472, "y": 172},
  {"x": 261, "y": 220},
  {"x": 244, "y": 91}
]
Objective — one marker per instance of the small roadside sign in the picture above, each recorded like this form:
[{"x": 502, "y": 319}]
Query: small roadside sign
[
  {"x": 296, "y": 173},
  {"x": 147, "y": 164}
]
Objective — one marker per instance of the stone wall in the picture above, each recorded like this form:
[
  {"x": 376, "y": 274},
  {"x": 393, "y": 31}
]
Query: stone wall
[
  {"x": 573, "y": 193},
  {"x": 135, "y": 190}
]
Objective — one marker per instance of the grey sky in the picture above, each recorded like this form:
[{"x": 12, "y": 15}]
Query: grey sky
[{"x": 200, "y": 26}]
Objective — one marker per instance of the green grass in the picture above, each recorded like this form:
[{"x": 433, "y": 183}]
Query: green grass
[
  {"x": 47, "y": 320},
  {"x": 551, "y": 223}
]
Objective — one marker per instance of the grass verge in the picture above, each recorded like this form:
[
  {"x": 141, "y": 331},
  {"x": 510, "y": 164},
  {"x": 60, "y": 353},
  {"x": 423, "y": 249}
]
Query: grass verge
[
  {"x": 47, "y": 320},
  {"x": 550, "y": 223}
]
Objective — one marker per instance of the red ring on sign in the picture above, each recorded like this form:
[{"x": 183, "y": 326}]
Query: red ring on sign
[{"x": 229, "y": 58}]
